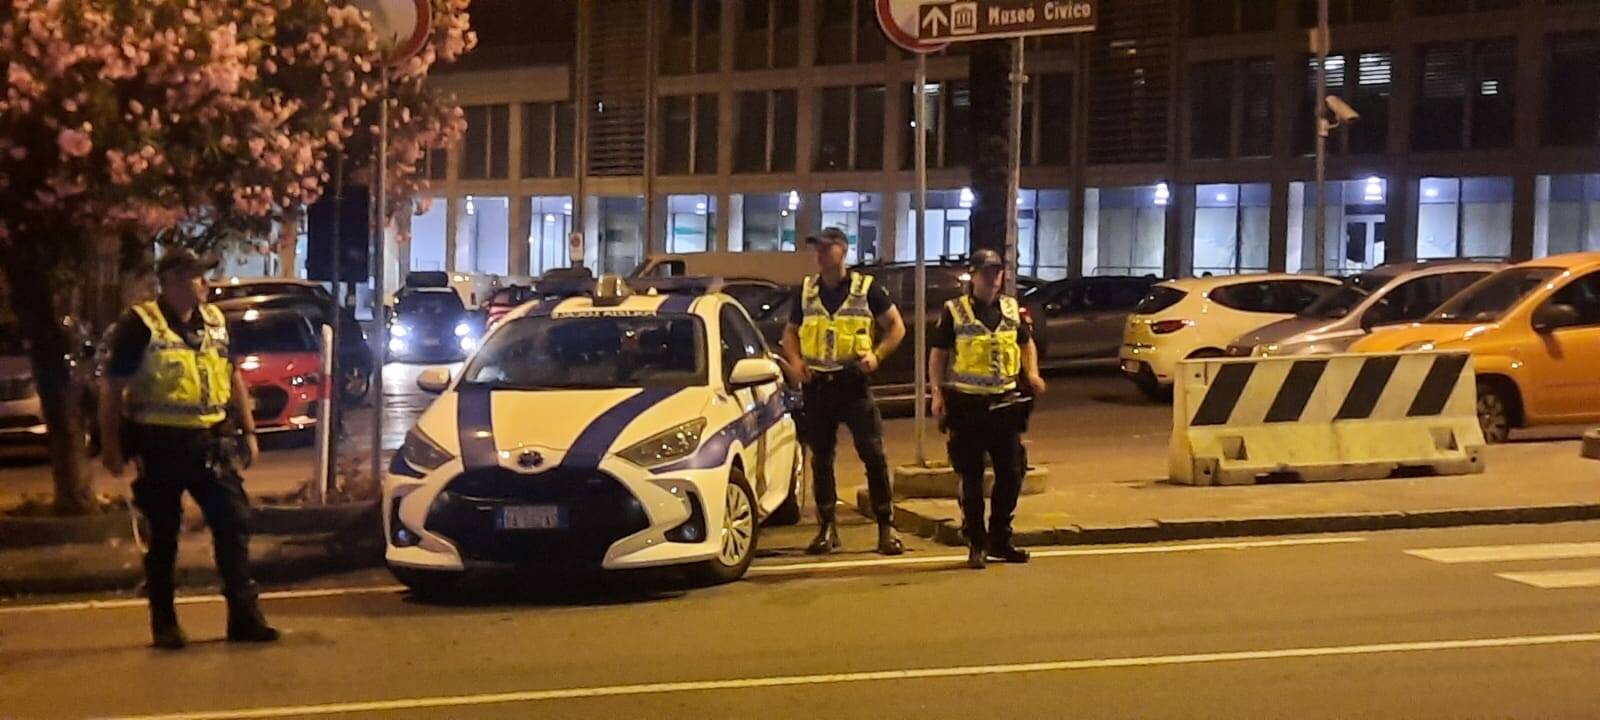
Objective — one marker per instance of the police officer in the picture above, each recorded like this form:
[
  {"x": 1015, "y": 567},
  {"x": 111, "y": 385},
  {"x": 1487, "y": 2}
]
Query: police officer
[
  {"x": 840, "y": 330},
  {"x": 170, "y": 378},
  {"x": 981, "y": 349}
]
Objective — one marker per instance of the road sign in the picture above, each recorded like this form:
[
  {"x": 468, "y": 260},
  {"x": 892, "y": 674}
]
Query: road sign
[
  {"x": 898, "y": 18},
  {"x": 403, "y": 24},
  {"x": 970, "y": 20}
]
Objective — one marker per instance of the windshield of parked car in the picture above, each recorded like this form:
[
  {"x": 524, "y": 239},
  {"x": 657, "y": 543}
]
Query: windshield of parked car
[
  {"x": 220, "y": 293},
  {"x": 267, "y": 334},
  {"x": 1494, "y": 296},
  {"x": 1341, "y": 302},
  {"x": 592, "y": 352},
  {"x": 758, "y": 300},
  {"x": 430, "y": 303}
]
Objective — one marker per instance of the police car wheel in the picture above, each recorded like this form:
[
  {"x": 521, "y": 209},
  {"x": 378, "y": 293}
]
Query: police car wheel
[
  {"x": 427, "y": 584},
  {"x": 736, "y": 538},
  {"x": 788, "y": 513}
]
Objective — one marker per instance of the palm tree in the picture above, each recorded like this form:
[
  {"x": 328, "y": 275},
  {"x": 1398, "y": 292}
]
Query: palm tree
[{"x": 989, "y": 73}]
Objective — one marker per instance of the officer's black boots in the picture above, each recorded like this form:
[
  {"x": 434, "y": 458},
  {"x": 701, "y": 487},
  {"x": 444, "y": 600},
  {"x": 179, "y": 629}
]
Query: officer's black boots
[
  {"x": 827, "y": 539},
  {"x": 1009, "y": 553},
  {"x": 246, "y": 624},
  {"x": 164, "y": 631},
  {"x": 889, "y": 541},
  {"x": 975, "y": 559}
]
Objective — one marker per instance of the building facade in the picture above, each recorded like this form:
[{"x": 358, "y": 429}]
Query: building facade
[{"x": 1175, "y": 139}]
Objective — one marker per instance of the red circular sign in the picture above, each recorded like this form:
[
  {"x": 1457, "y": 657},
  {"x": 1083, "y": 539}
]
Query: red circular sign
[
  {"x": 404, "y": 23},
  {"x": 898, "y": 18}
]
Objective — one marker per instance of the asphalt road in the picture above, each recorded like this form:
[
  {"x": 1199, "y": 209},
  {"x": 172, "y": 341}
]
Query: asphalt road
[{"x": 1401, "y": 624}]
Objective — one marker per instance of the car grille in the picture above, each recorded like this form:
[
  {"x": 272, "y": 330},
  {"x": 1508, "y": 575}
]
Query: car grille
[
  {"x": 599, "y": 511},
  {"x": 16, "y": 388},
  {"x": 269, "y": 402}
]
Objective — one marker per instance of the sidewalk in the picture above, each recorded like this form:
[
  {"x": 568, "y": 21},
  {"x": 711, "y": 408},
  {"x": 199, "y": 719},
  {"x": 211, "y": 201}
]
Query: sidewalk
[{"x": 1124, "y": 499}]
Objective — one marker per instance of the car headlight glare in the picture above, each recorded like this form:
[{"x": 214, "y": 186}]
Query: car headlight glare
[
  {"x": 670, "y": 445},
  {"x": 463, "y": 329},
  {"x": 468, "y": 344},
  {"x": 396, "y": 345},
  {"x": 422, "y": 453},
  {"x": 399, "y": 331}
]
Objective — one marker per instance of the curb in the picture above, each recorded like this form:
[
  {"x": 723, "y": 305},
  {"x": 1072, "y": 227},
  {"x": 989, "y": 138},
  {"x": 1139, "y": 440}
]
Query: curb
[
  {"x": 1591, "y": 444},
  {"x": 940, "y": 481},
  {"x": 947, "y": 531},
  {"x": 311, "y": 519},
  {"x": 32, "y": 532},
  {"x": 18, "y": 533}
]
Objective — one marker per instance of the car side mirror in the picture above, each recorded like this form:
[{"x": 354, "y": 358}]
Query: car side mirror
[
  {"x": 751, "y": 372},
  {"x": 1554, "y": 316},
  {"x": 434, "y": 380}
]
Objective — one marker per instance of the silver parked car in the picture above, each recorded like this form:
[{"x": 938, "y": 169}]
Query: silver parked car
[
  {"x": 1386, "y": 295},
  {"x": 21, "y": 417}
]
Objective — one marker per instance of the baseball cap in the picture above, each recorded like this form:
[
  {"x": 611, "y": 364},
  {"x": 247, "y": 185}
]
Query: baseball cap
[
  {"x": 830, "y": 235},
  {"x": 985, "y": 258},
  {"x": 185, "y": 262}
]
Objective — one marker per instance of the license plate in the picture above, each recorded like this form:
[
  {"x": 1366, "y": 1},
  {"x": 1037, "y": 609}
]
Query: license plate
[
  {"x": 431, "y": 342},
  {"x": 1130, "y": 366},
  {"x": 531, "y": 517}
]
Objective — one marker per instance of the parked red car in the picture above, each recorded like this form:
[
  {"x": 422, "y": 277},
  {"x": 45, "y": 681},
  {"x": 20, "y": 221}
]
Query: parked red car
[{"x": 278, "y": 354}]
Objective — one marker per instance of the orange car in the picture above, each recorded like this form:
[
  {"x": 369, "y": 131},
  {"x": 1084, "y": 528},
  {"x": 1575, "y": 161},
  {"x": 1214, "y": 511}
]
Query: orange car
[{"x": 1534, "y": 333}]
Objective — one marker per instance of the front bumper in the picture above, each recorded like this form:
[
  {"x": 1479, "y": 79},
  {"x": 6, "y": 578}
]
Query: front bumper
[
  {"x": 616, "y": 516},
  {"x": 284, "y": 408}
]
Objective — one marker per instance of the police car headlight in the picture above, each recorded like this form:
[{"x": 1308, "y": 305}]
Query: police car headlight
[
  {"x": 463, "y": 329},
  {"x": 422, "y": 453},
  {"x": 667, "y": 446},
  {"x": 399, "y": 331}
]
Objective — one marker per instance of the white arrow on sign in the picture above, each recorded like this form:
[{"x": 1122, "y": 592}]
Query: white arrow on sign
[
  {"x": 935, "y": 18},
  {"x": 898, "y": 18}
]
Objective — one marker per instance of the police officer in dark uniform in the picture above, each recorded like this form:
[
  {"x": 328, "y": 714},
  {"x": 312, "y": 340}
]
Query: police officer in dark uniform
[
  {"x": 170, "y": 400},
  {"x": 841, "y": 328},
  {"x": 981, "y": 350}
]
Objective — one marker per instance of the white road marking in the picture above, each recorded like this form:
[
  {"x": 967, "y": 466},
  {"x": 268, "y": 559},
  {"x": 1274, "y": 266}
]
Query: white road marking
[
  {"x": 532, "y": 696},
  {"x": 780, "y": 569},
  {"x": 1505, "y": 553},
  {"x": 1555, "y": 579},
  {"x": 788, "y": 568},
  {"x": 197, "y": 599}
]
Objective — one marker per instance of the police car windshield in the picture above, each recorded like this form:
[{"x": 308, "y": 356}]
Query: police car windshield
[
  {"x": 266, "y": 334},
  {"x": 592, "y": 352},
  {"x": 1492, "y": 296}
]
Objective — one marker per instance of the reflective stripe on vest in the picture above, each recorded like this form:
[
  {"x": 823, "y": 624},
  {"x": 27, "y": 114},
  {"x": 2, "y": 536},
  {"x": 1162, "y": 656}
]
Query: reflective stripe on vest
[
  {"x": 986, "y": 361},
  {"x": 828, "y": 340},
  {"x": 177, "y": 385}
]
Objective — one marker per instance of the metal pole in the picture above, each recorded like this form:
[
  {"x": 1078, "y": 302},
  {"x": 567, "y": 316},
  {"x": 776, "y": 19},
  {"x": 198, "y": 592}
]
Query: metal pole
[
  {"x": 331, "y": 419},
  {"x": 325, "y": 411},
  {"x": 580, "y": 107},
  {"x": 379, "y": 271},
  {"x": 1321, "y": 231},
  {"x": 920, "y": 93},
  {"x": 1014, "y": 166}
]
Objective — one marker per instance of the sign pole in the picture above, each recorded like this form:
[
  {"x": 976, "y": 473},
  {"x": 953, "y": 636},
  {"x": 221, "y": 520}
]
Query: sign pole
[
  {"x": 379, "y": 184},
  {"x": 920, "y": 84},
  {"x": 1319, "y": 264},
  {"x": 1014, "y": 166}
]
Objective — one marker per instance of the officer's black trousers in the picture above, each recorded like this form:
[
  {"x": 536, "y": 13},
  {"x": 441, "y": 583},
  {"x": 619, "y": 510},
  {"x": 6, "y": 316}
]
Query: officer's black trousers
[
  {"x": 173, "y": 461},
  {"x": 845, "y": 398},
  {"x": 978, "y": 432}
]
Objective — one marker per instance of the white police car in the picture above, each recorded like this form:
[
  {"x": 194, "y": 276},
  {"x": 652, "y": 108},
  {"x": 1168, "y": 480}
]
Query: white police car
[{"x": 615, "y": 428}]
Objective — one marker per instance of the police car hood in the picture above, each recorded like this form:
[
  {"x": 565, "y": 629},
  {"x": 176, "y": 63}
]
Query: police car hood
[{"x": 584, "y": 424}]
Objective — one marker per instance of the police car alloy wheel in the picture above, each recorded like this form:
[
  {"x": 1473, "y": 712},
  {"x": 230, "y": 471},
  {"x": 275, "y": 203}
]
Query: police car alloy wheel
[{"x": 738, "y": 535}]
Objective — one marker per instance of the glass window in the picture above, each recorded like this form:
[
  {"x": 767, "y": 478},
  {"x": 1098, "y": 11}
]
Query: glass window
[
  {"x": 483, "y": 235},
  {"x": 677, "y": 43},
  {"x": 272, "y": 333},
  {"x": 750, "y": 139},
  {"x": 786, "y": 33},
  {"x": 871, "y": 44},
  {"x": 705, "y": 134},
  {"x": 1211, "y": 109},
  {"x": 1231, "y": 228},
  {"x": 1572, "y": 90},
  {"x": 566, "y": 139},
  {"x": 1566, "y": 214},
  {"x": 622, "y": 241},
  {"x": 1055, "y": 118},
  {"x": 428, "y": 227},
  {"x": 1255, "y": 134},
  {"x": 691, "y": 223},
  {"x": 740, "y": 341},
  {"x": 549, "y": 224},
  {"x": 784, "y": 119},
  {"x": 949, "y": 104},
  {"x": 438, "y": 160},
  {"x": 1454, "y": 75},
  {"x": 1583, "y": 295},
  {"x": 539, "y": 353},
  {"x": 537, "y": 123},
  {"x": 766, "y": 222},
  {"x": 1159, "y": 298},
  {"x": 675, "y": 140},
  {"x": 1224, "y": 17},
  {"x": 1125, "y": 230},
  {"x": 1464, "y": 217},
  {"x": 1493, "y": 99},
  {"x": 1364, "y": 81},
  {"x": 1440, "y": 117},
  {"x": 754, "y": 34},
  {"x": 485, "y": 150},
  {"x": 869, "y": 127},
  {"x": 1356, "y": 226},
  {"x": 1494, "y": 296},
  {"x": 833, "y": 136},
  {"x": 708, "y": 36}
]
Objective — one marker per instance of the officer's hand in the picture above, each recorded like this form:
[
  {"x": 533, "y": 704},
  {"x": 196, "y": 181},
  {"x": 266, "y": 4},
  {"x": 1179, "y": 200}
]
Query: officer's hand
[
  {"x": 252, "y": 450},
  {"x": 799, "y": 373},
  {"x": 868, "y": 363},
  {"x": 113, "y": 461},
  {"x": 938, "y": 407},
  {"x": 1038, "y": 384}
]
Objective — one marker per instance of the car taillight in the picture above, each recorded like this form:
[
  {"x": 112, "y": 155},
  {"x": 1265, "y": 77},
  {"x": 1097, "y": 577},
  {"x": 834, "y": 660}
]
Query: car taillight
[
  {"x": 1027, "y": 317},
  {"x": 1164, "y": 327}
]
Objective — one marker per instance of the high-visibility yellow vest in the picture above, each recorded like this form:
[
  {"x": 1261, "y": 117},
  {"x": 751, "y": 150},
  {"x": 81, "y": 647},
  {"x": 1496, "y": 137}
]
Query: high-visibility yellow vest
[
  {"x": 986, "y": 361},
  {"x": 177, "y": 385},
  {"x": 828, "y": 340}
]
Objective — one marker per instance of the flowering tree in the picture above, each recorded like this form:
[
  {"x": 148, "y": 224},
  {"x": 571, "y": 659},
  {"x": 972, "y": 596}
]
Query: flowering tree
[{"x": 171, "y": 118}]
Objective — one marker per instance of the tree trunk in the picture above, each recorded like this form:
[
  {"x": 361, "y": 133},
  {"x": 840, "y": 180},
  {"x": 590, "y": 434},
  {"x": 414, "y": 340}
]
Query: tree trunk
[
  {"x": 989, "y": 72},
  {"x": 36, "y": 303}
]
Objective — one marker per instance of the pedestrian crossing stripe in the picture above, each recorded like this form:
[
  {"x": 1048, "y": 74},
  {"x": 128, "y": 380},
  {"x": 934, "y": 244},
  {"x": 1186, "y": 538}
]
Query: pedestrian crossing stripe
[
  {"x": 1508, "y": 553},
  {"x": 1556, "y": 579}
]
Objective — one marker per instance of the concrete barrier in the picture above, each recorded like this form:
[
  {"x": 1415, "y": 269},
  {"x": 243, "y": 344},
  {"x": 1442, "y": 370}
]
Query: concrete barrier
[
  {"x": 1591, "y": 444},
  {"x": 1336, "y": 417},
  {"x": 939, "y": 480}
]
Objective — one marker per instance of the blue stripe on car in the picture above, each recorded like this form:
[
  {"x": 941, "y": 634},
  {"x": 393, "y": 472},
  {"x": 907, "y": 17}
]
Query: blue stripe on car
[
  {"x": 475, "y": 423},
  {"x": 676, "y": 304},
  {"x": 596, "y": 439},
  {"x": 746, "y": 430}
]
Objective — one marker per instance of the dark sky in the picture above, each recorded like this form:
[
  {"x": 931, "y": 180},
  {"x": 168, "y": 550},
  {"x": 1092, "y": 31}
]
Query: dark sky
[{"x": 521, "y": 32}]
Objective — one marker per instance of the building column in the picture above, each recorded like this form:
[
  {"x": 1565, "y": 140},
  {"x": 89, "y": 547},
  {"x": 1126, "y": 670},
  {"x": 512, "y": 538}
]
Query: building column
[
  {"x": 1278, "y": 227},
  {"x": 1524, "y": 198},
  {"x": 1178, "y": 260},
  {"x": 1400, "y": 217},
  {"x": 519, "y": 224},
  {"x": 808, "y": 219},
  {"x": 1075, "y": 230},
  {"x": 454, "y": 206},
  {"x": 889, "y": 214}
]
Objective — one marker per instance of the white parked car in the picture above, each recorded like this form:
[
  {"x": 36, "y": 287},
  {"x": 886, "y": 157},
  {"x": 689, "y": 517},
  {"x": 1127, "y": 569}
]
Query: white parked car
[
  {"x": 613, "y": 429},
  {"x": 1199, "y": 317}
]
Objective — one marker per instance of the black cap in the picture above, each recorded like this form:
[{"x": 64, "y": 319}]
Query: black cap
[
  {"x": 185, "y": 262},
  {"x": 985, "y": 258},
  {"x": 831, "y": 235}
]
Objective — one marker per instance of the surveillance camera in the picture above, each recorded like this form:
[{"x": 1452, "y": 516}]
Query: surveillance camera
[{"x": 1342, "y": 110}]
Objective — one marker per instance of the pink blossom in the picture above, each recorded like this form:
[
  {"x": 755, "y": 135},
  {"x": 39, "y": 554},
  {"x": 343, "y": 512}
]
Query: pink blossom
[{"x": 74, "y": 143}]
